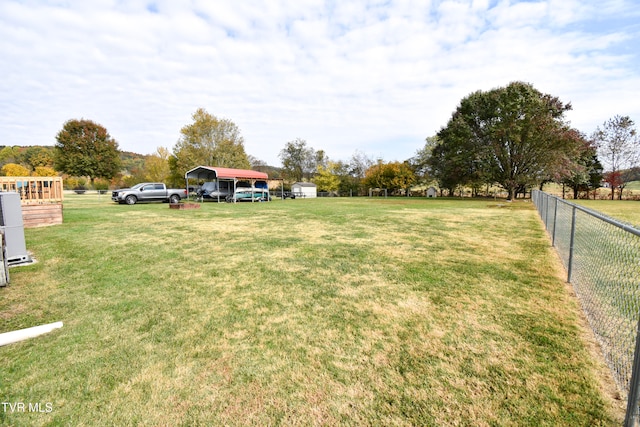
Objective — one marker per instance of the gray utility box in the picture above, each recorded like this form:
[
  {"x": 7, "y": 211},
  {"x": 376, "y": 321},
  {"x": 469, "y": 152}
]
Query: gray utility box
[{"x": 12, "y": 227}]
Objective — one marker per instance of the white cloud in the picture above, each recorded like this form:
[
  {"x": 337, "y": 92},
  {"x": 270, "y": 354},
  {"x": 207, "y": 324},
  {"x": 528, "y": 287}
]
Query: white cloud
[{"x": 373, "y": 76}]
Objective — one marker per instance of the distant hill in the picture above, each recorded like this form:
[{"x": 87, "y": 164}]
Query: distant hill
[{"x": 133, "y": 163}]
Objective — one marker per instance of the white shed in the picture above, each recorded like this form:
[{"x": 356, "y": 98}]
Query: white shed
[
  {"x": 304, "y": 189},
  {"x": 432, "y": 192}
]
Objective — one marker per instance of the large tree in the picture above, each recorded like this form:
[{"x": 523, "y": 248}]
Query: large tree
[
  {"x": 618, "y": 146},
  {"x": 511, "y": 135},
  {"x": 299, "y": 160},
  {"x": 328, "y": 177},
  {"x": 455, "y": 163},
  {"x": 85, "y": 148},
  {"x": 156, "y": 166},
  {"x": 210, "y": 141},
  {"x": 585, "y": 173}
]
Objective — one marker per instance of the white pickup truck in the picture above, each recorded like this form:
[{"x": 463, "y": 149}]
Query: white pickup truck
[{"x": 148, "y": 192}]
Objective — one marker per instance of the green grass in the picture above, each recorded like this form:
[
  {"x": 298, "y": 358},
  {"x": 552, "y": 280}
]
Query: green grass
[
  {"x": 624, "y": 210},
  {"x": 299, "y": 312}
]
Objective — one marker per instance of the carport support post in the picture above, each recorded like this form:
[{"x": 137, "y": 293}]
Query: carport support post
[
  {"x": 186, "y": 185},
  {"x": 235, "y": 183}
]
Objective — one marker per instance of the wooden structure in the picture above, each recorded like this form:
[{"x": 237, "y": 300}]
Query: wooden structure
[
  {"x": 40, "y": 215},
  {"x": 184, "y": 206},
  {"x": 40, "y": 196},
  {"x": 34, "y": 189}
]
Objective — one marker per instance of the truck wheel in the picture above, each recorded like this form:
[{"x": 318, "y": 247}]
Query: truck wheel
[
  {"x": 174, "y": 199},
  {"x": 131, "y": 200}
]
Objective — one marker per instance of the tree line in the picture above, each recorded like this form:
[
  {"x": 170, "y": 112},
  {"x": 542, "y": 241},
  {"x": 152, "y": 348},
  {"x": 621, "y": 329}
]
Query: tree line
[{"x": 515, "y": 137}]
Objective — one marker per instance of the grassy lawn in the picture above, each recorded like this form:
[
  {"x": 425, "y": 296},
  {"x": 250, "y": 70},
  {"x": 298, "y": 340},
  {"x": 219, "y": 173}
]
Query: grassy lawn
[
  {"x": 299, "y": 312},
  {"x": 624, "y": 210}
]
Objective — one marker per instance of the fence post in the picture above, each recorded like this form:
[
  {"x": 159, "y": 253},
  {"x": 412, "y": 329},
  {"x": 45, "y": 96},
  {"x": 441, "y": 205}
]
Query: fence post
[
  {"x": 555, "y": 217},
  {"x": 634, "y": 393},
  {"x": 546, "y": 212},
  {"x": 573, "y": 235}
]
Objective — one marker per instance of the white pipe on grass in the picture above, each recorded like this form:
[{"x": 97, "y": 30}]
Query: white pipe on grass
[{"x": 23, "y": 334}]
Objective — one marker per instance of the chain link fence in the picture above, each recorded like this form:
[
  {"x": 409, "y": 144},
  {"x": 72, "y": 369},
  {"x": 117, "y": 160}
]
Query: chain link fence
[{"x": 602, "y": 258}]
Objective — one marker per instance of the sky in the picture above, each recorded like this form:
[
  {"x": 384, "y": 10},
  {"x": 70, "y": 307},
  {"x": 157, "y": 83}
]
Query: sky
[{"x": 349, "y": 76}]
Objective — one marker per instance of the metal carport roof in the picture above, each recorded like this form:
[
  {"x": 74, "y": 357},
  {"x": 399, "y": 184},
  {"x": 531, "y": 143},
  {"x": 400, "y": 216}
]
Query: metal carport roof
[{"x": 208, "y": 172}]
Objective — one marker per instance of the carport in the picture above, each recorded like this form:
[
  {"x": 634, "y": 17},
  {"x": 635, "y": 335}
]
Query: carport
[{"x": 232, "y": 176}]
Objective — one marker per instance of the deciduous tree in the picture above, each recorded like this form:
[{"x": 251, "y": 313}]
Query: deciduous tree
[
  {"x": 584, "y": 173},
  {"x": 421, "y": 162},
  {"x": 210, "y": 141},
  {"x": 298, "y": 160},
  {"x": 85, "y": 148},
  {"x": 359, "y": 164},
  {"x": 44, "y": 171},
  {"x": 38, "y": 156},
  {"x": 618, "y": 147},
  {"x": 393, "y": 176},
  {"x": 509, "y": 135},
  {"x": 12, "y": 169},
  {"x": 327, "y": 177},
  {"x": 156, "y": 166}
]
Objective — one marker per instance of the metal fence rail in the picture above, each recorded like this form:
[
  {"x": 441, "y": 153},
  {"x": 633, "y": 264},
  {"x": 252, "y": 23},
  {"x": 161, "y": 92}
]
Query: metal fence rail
[{"x": 602, "y": 258}]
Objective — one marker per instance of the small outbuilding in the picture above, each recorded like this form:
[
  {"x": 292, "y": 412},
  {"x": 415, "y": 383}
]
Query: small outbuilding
[
  {"x": 432, "y": 192},
  {"x": 304, "y": 189}
]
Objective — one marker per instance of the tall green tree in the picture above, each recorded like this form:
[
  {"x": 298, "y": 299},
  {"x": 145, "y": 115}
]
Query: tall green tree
[
  {"x": 210, "y": 141},
  {"x": 619, "y": 147},
  {"x": 85, "y": 148},
  {"x": 510, "y": 135},
  {"x": 584, "y": 173},
  {"x": 298, "y": 160}
]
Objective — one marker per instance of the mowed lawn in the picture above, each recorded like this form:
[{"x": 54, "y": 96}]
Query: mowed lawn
[
  {"x": 346, "y": 311},
  {"x": 623, "y": 210}
]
